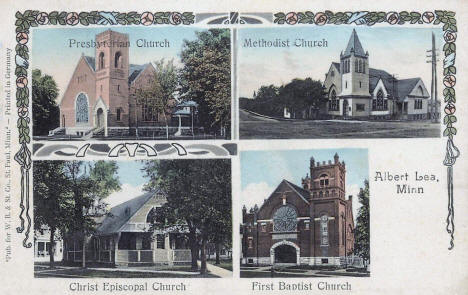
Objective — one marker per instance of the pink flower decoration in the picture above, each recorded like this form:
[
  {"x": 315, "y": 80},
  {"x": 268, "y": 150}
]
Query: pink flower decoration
[
  {"x": 176, "y": 18},
  {"x": 392, "y": 17},
  {"x": 42, "y": 18},
  {"x": 450, "y": 36},
  {"x": 450, "y": 81},
  {"x": 450, "y": 109},
  {"x": 72, "y": 18},
  {"x": 21, "y": 82},
  {"x": 291, "y": 18},
  {"x": 23, "y": 111},
  {"x": 146, "y": 18},
  {"x": 320, "y": 19},
  {"x": 428, "y": 17},
  {"x": 22, "y": 38}
]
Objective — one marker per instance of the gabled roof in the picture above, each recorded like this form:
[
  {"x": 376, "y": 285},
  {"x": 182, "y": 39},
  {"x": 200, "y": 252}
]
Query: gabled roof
[
  {"x": 337, "y": 65},
  {"x": 121, "y": 213},
  {"x": 304, "y": 194},
  {"x": 354, "y": 45},
  {"x": 405, "y": 86},
  {"x": 375, "y": 75},
  {"x": 134, "y": 71},
  {"x": 90, "y": 61}
]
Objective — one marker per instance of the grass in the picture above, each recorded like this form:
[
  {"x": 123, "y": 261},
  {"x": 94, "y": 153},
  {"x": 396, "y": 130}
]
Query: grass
[
  {"x": 252, "y": 127},
  {"x": 83, "y": 273},
  {"x": 225, "y": 263}
]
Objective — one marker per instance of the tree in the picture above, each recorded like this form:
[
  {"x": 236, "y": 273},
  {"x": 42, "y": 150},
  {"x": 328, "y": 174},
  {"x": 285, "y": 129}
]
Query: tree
[
  {"x": 362, "y": 230},
  {"x": 206, "y": 77},
  {"x": 53, "y": 202},
  {"x": 267, "y": 92},
  {"x": 89, "y": 183},
  {"x": 299, "y": 95},
  {"x": 198, "y": 196},
  {"x": 159, "y": 95},
  {"x": 46, "y": 114}
]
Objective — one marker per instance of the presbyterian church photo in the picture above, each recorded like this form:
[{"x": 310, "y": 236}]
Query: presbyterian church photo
[
  {"x": 117, "y": 89},
  {"x": 310, "y": 223}
]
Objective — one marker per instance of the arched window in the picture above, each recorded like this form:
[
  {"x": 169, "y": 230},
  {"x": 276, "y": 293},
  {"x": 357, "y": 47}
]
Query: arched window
[
  {"x": 360, "y": 66},
  {"x": 327, "y": 194},
  {"x": 101, "y": 60},
  {"x": 420, "y": 91},
  {"x": 379, "y": 103},
  {"x": 333, "y": 104},
  {"x": 363, "y": 67},
  {"x": 118, "y": 60},
  {"x": 321, "y": 194},
  {"x": 356, "y": 66},
  {"x": 81, "y": 108},
  {"x": 324, "y": 181},
  {"x": 285, "y": 219}
]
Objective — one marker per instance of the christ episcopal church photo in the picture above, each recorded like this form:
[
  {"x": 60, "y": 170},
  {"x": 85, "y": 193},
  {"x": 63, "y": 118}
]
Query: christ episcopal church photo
[
  {"x": 306, "y": 214},
  {"x": 342, "y": 83},
  {"x": 131, "y": 83}
]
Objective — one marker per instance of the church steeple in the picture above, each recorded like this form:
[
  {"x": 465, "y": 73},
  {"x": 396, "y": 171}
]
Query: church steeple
[{"x": 354, "y": 46}]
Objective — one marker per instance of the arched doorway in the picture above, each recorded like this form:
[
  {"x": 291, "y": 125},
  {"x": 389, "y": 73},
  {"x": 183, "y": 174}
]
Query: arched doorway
[
  {"x": 285, "y": 254},
  {"x": 100, "y": 118}
]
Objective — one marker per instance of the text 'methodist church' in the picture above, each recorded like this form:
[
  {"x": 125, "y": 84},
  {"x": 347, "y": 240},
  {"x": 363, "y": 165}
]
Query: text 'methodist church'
[
  {"x": 355, "y": 90},
  {"x": 308, "y": 225}
]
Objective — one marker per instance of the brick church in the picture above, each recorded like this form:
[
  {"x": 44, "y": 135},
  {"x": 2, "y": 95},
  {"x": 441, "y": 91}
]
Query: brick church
[
  {"x": 100, "y": 98},
  {"x": 308, "y": 225}
]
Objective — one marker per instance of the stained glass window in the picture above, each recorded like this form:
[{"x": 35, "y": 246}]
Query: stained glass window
[
  {"x": 81, "y": 109},
  {"x": 285, "y": 219}
]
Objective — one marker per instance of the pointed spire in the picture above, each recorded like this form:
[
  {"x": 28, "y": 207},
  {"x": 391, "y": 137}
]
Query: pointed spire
[{"x": 354, "y": 46}]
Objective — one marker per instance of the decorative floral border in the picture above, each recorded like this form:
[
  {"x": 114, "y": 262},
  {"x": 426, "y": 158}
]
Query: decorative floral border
[
  {"x": 447, "y": 18},
  {"x": 34, "y": 18}
]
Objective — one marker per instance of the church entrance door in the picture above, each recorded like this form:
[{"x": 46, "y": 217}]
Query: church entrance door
[
  {"x": 100, "y": 118},
  {"x": 345, "y": 108},
  {"x": 285, "y": 254}
]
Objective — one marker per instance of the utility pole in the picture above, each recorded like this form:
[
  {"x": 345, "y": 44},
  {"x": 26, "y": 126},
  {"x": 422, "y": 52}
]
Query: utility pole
[{"x": 434, "y": 101}]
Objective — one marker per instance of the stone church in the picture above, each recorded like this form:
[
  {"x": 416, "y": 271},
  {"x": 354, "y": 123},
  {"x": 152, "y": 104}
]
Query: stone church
[
  {"x": 100, "y": 98},
  {"x": 310, "y": 224},
  {"x": 355, "y": 90}
]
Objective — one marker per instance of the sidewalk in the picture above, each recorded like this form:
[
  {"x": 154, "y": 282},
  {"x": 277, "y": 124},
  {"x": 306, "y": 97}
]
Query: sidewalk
[{"x": 217, "y": 271}]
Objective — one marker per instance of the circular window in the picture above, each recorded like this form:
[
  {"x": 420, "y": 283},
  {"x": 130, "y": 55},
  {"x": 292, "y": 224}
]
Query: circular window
[{"x": 285, "y": 219}]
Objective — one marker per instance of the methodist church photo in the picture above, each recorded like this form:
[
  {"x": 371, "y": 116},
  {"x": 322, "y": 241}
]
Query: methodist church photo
[
  {"x": 122, "y": 83},
  {"x": 310, "y": 214},
  {"x": 366, "y": 82}
]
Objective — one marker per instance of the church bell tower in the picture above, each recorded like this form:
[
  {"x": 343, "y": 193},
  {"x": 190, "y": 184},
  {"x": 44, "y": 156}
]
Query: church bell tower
[
  {"x": 354, "y": 68},
  {"x": 112, "y": 69}
]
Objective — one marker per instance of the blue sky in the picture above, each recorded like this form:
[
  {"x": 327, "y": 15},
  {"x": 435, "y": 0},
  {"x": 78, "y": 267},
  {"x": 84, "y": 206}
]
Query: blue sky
[
  {"x": 398, "y": 50},
  {"x": 131, "y": 179},
  {"x": 52, "y": 54},
  {"x": 262, "y": 171}
]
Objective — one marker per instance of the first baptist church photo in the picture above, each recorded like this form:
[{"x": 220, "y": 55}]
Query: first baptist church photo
[{"x": 310, "y": 224}]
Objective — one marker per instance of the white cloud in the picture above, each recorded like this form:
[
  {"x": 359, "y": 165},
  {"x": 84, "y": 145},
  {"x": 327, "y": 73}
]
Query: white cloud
[
  {"x": 255, "y": 193},
  {"x": 126, "y": 193}
]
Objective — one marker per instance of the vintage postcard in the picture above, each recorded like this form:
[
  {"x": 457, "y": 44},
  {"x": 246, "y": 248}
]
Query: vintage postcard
[{"x": 238, "y": 148}]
